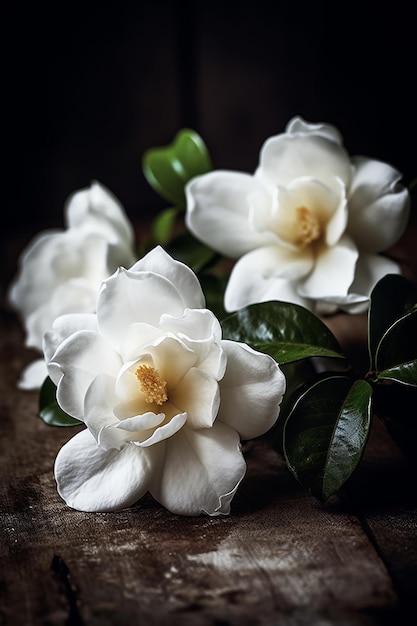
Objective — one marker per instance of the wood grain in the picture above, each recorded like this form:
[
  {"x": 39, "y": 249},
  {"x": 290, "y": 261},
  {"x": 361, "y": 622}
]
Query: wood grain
[{"x": 280, "y": 557}]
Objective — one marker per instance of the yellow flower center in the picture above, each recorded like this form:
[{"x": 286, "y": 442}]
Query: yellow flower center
[
  {"x": 307, "y": 226},
  {"x": 152, "y": 385}
]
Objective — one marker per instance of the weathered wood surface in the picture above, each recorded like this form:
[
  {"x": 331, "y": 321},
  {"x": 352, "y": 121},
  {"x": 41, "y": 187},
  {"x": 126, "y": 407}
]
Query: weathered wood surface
[{"x": 279, "y": 558}]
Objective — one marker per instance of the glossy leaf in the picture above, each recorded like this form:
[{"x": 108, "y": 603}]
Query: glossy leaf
[
  {"x": 326, "y": 433},
  {"x": 49, "y": 411},
  {"x": 405, "y": 373},
  {"x": 285, "y": 331},
  {"x": 299, "y": 376},
  {"x": 396, "y": 356},
  {"x": 392, "y": 298},
  {"x": 169, "y": 168}
]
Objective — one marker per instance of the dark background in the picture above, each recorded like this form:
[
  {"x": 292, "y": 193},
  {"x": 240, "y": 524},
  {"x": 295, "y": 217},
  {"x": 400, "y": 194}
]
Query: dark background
[{"x": 89, "y": 88}]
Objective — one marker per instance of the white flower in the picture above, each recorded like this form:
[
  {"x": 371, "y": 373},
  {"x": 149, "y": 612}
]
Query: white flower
[
  {"x": 61, "y": 270},
  {"x": 307, "y": 227},
  {"x": 164, "y": 398}
]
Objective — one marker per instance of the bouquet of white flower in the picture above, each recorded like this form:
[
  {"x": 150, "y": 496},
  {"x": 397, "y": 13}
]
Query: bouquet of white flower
[{"x": 134, "y": 349}]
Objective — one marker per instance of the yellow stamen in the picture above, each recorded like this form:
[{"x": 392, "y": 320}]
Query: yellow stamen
[
  {"x": 152, "y": 385},
  {"x": 307, "y": 226}
]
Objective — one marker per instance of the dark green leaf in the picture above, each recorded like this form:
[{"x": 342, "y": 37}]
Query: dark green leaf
[
  {"x": 396, "y": 356},
  {"x": 326, "y": 433},
  {"x": 405, "y": 373},
  {"x": 392, "y": 298},
  {"x": 299, "y": 376},
  {"x": 285, "y": 331},
  {"x": 49, "y": 411},
  {"x": 169, "y": 168}
]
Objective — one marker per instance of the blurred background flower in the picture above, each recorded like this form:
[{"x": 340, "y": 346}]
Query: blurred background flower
[{"x": 60, "y": 271}]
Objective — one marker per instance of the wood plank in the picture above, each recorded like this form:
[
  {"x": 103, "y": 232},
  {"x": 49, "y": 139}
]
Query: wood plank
[
  {"x": 383, "y": 494},
  {"x": 278, "y": 556}
]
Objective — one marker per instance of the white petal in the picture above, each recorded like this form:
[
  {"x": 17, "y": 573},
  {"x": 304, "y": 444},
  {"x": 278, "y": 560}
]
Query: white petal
[
  {"x": 378, "y": 205},
  {"x": 166, "y": 431},
  {"x": 91, "y": 249},
  {"x": 218, "y": 207},
  {"x": 91, "y": 479},
  {"x": 75, "y": 296},
  {"x": 136, "y": 339},
  {"x": 337, "y": 223},
  {"x": 194, "y": 324},
  {"x": 333, "y": 272},
  {"x": 145, "y": 421},
  {"x": 137, "y": 407},
  {"x": 140, "y": 430},
  {"x": 285, "y": 157},
  {"x": 269, "y": 273},
  {"x": 251, "y": 390},
  {"x": 28, "y": 290},
  {"x": 201, "y": 472},
  {"x": 62, "y": 274},
  {"x": 98, "y": 239},
  {"x": 160, "y": 262},
  {"x": 299, "y": 125},
  {"x": 200, "y": 331},
  {"x": 129, "y": 297},
  {"x": 198, "y": 395},
  {"x": 370, "y": 268},
  {"x": 172, "y": 358},
  {"x": 99, "y": 203},
  {"x": 127, "y": 387},
  {"x": 326, "y": 204},
  {"x": 33, "y": 375},
  {"x": 350, "y": 303},
  {"x": 99, "y": 400},
  {"x": 81, "y": 357},
  {"x": 211, "y": 357},
  {"x": 65, "y": 326}
]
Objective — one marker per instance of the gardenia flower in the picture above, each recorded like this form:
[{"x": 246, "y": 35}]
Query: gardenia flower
[
  {"x": 61, "y": 270},
  {"x": 307, "y": 227},
  {"x": 165, "y": 400}
]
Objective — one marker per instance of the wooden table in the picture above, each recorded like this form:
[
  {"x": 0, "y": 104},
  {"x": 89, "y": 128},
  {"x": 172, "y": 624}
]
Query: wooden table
[{"x": 279, "y": 558}]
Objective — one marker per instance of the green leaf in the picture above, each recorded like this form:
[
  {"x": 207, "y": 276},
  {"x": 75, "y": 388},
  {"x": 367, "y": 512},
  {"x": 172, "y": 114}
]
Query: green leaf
[
  {"x": 163, "y": 226},
  {"x": 326, "y": 433},
  {"x": 169, "y": 168},
  {"x": 49, "y": 411},
  {"x": 396, "y": 355},
  {"x": 405, "y": 373},
  {"x": 287, "y": 332},
  {"x": 392, "y": 298},
  {"x": 299, "y": 376}
]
